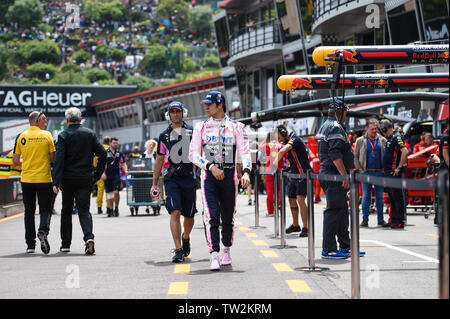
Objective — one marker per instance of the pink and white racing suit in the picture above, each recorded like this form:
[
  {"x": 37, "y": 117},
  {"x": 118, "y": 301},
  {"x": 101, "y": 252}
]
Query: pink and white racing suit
[{"x": 217, "y": 142}]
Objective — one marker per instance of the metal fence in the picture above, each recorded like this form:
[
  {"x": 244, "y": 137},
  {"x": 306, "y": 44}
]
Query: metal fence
[{"x": 439, "y": 184}]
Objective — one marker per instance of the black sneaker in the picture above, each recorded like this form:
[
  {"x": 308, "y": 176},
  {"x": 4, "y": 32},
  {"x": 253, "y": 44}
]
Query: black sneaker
[
  {"x": 109, "y": 212},
  {"x": 365, "y": 223},
  {"x": 45, "y": 246},
  {"x": 64, "y": 249},
  {"x": 178, "y": 257},
  {"x": 99, "y": 210},
  {"x": 382, "y": 223},
  {"x": 31, "y": 249},
  {"x": 304, "y": 232},
  {"x": 89, "y": 248},
  {"x": 186, "y": 246},
  {"x": 249, "y": 202},
  {"x": 293, "y": 229},
  {"x": 116, "y": 212}
]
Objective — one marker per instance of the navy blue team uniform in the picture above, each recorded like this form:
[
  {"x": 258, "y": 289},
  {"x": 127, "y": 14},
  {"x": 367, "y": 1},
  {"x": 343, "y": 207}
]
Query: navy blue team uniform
[
  {"x": 179, "y": 178},
  {"x": 391, "y": 160},
  {"x": 333, "y": 144},
  {"x": 299, "y": 164},
  {"x": 112, "y": 170}
]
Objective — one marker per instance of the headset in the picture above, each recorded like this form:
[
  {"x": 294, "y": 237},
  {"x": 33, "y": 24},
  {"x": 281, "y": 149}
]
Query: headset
[
  {"x": 385, "y": 124},
  {"x": 185, "y": 111}
]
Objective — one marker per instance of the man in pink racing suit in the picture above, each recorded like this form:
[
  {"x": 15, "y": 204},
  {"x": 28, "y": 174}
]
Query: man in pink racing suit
[{"x": 214, "y": 147}]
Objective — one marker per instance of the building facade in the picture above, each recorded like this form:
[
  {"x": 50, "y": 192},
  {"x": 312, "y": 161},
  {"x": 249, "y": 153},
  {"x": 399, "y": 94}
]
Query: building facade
[{"x": 259, "y": 40}]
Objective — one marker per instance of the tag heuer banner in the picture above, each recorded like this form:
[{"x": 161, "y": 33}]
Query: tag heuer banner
[{"x": 54, "y": 100}]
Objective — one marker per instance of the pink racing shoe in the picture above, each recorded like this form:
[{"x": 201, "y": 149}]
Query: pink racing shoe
[
  {"x": 226, "y": 256},
  {"x": 215, "y": 264}
]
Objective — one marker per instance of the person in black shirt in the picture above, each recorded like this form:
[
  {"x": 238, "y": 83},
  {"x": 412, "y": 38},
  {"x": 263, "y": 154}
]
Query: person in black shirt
[
  {"x": 297, "y": 155},
  {"x": 179, "y": 178},
  {"x": 75, "y": 174},
  {"x": 336, "y": 158},
  {"x": 394, "y": 160}
]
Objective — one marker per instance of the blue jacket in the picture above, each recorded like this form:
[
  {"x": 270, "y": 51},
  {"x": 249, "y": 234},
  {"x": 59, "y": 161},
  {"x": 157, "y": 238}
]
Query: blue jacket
[{"x": 333, "y": 143}]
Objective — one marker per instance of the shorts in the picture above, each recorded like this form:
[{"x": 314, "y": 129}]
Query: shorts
[
  {"x": 297, "y": 187},
  {"x": 181, "y": 195},
  {"x": 252, "y": 177},
  {"x": 112, "y": 183}
]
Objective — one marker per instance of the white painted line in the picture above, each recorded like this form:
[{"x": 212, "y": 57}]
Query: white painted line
[{"x": 405, "y": 251}]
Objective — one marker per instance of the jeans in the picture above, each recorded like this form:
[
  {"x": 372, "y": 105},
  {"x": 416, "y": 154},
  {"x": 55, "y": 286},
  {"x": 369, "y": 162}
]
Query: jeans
[
  {"x": 366, "y": 194},
  {"x": 44, "y": 193},
  {"x": 80, "y": 190}
]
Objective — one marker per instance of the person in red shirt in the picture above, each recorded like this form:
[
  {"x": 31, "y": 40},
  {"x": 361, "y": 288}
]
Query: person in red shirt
[
  {"x": 271, "y": 148},
  {"x": 426, "y": 141}
]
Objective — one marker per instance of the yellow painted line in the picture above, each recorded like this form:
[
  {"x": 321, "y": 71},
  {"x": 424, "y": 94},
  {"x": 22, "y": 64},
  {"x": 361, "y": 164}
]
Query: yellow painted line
[
  {"x": 244, "y": 228},
  {"x": 269, "y": 253},
  {"x": 178, "y": 288},
  {"x": 11, "y": 217},
  {"x": 238, "y": 223},
  {"x": 251, "y": 235},
  {"x": 182, "y": 269},
  {"x": 298, "y": 286},
  {"x": 259, "y": 243},
  {"x": 282, "y": 267},
  {"x": 432, "y": 235}
]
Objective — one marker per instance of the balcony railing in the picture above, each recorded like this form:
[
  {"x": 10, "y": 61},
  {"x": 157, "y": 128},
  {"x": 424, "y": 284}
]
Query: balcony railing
[
  {"x": 254, "y": 36},
  {"x": 322, "y": 7}
]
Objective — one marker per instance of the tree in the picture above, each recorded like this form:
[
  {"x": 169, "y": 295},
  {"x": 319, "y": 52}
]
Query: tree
[
  {"x": 200, "y": 21},
  {"x": 27, "y": 13},
  {"x": 155, "y": 60},
  {"x": 81, "y": 56},
  {"x": 3, "y": 59},
  {"x": 143, "y": 83},
  {"x": 105, "y": 12},
  {"x": 40, "y": 70},
  {"x": 34, "y": 51},
  {"x": 177, "y": 11},
  {"x": 97, "y": 75}
]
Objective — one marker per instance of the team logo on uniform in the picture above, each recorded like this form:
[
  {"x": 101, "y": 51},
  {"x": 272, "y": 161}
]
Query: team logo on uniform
[{"x": 23, "y": 141}]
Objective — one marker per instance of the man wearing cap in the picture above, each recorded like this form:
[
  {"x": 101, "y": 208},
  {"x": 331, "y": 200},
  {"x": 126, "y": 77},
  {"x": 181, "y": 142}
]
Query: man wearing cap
[
  {"x": 336, "y": 158},
  {"x": 179, "y": 178},
  {"x": 214, "y": 148}
]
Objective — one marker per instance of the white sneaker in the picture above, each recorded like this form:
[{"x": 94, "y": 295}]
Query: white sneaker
[
  {"x": 226, "y": 256},
  {"x": 215, "y": 263}
]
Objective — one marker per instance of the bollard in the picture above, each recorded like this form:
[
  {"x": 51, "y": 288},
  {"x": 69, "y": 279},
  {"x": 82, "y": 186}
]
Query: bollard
[
  {"x": 276, "y": 216},
  {"x": 354, "y": 236},
  {"x": 310, "y": 203},
  {"x": 257, "y": 177},
  {"x": 283, "y": 211},
  {"x": 283, "y": 243},
  {"x": 442, "y": 187}
]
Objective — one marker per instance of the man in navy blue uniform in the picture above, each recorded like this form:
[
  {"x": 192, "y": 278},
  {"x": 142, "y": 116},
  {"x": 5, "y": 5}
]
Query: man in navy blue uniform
[
  {"x": 297, "y": 154},
  {"x": 179, "y": 178},
  {"x": 394, "y": 160},
  {"x": 115, "y": 161},
  {"x": 336, "y": 158}
]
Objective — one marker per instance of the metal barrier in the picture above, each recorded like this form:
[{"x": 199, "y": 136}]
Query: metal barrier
[
  {"x": 442, "y": 188},
  {"x": 440, "y": 185}
]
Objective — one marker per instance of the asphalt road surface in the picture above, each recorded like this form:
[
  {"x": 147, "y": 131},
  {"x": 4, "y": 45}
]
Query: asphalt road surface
[{"x": 133, "y": 260}]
